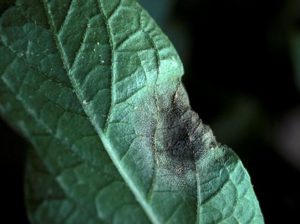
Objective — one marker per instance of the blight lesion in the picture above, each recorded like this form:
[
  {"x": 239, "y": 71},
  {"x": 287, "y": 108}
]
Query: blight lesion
[{"x": 182, "y": 136}]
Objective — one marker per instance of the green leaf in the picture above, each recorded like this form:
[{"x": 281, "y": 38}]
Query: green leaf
[
  {"x": 58, "y": 208},
  {"x": 225, "y": 190},
  {"x": 95, "y": 86},
  {"x": 62, "y": 185}
]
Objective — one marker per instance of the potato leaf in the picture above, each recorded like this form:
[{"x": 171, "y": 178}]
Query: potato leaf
[{"x": 96, "y": 87}]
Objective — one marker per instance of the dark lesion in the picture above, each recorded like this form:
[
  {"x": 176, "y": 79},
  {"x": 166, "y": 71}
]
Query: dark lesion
[{"x": 183, "y": 136}]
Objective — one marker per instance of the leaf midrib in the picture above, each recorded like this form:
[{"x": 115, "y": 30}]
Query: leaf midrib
[{"x": 148, "y": 210}]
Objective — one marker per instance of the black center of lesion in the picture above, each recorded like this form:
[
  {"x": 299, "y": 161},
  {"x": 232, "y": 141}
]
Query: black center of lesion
[{"x": 182, "y": 135}]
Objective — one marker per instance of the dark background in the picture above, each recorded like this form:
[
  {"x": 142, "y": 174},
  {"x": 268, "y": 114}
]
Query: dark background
[
  {"x": 241, "y": 80},
  {"x": 240, "y": 76}
]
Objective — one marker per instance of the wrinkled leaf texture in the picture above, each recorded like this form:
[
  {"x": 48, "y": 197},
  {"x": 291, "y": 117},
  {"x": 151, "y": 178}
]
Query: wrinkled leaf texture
[{"x": 95, "y": 86}]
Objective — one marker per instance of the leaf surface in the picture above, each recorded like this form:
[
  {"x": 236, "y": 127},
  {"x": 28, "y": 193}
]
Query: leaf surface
[
  {"x": 96, "y": 88},
  {"x": 61, "y": 185}
]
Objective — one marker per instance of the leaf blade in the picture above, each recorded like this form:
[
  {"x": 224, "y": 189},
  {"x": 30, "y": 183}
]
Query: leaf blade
[
  {"x": 127, "y": 80},
  {"x": 103, "y": 116},
  {"x": 226, "y": 190},
  {"x": 21, "y": 110}
]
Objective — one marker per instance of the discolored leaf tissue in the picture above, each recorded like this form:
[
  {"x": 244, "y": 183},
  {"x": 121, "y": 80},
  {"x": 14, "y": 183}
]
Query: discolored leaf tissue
[{"x": 95, "y": 87}]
